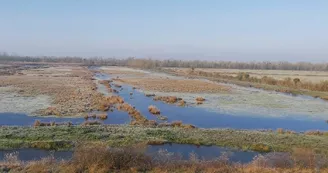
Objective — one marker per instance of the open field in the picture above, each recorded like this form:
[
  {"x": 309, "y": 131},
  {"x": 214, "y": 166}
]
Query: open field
[
  {"x": 160, "y": 82},
  {"x": 63, "y": 91},
  {"x": 309, "y": 76},
  {"x": 286, "y": 85}
]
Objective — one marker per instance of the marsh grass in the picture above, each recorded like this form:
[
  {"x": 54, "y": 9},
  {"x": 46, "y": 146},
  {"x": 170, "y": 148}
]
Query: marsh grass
[
  {"x": 166, "y": 99},
  {"x": 38, "y": 123},
  {"x": 154, "y": 110},
  {"x": 16, "y": 137},
  {"x": 102, "y": 116}
]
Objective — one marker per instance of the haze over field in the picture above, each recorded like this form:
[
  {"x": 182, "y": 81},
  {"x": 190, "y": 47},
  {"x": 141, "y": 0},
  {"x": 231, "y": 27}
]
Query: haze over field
[{"x": 236, "y": 30}]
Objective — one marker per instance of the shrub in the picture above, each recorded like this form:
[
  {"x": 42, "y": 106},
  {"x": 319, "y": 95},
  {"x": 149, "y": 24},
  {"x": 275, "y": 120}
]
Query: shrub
[
  {"x": 181, "y": 103},
  {"x": 200, "y": 99},
  {"x": 102, "y": 116},
  {"x": 280, "y": 131},
  {"x": 102, "y": 159},
  {"x": 37, "y": 123},
  {"x": 296, "y": 81},
  {"x": 316, "y": 132},
  {"x": 154, "y": 110},
  {"x": 176, "y": 123}
]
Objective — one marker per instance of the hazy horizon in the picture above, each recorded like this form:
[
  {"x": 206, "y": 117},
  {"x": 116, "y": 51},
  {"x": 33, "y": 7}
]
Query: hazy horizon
[{"x": 236, "y": 30}]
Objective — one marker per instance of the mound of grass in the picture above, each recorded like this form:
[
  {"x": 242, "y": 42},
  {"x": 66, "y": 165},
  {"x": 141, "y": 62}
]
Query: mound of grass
[{"x": 154, "y": 110}]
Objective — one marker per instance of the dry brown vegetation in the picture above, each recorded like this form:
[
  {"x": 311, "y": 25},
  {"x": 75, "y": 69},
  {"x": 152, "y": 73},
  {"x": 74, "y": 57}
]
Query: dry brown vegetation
[
  {"x": 177, "y": 124},
  {"x": 154, "y": 110},
  {"x": 98, "y": 159},
  {"x": 72, "y": 89},
  {"x": 175, "y": 85},
  {"x": 167, "y": 99},
  {"x": 292, "y": 81},
  {"x": 181, "y": 103}
]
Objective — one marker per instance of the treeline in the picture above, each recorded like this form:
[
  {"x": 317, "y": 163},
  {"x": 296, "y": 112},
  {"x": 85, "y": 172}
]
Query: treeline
[{"x": 151, "y": 63}]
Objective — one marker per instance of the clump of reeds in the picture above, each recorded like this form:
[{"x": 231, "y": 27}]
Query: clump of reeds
[
  {"x": 154, "y": 110},
  {"x": 188, "y": 126},
  {"x": 104, "y": 106},
  {"x": 176, "y": 123},
  {"x": 181, "y": 103},
  {"x": 102, "y": 116},
  {"x": 282, "y": 131},
  {"x": 200, "y": 99},
  {"x": 114, "y": 100},
  {"x": 314, "y": 132},
  {"x": 166, "y": 99},
  {"x": 52, "y": 111}
]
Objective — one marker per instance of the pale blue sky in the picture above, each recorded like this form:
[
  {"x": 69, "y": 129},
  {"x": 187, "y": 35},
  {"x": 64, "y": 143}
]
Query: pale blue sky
[{"x": 294, "y": 30}]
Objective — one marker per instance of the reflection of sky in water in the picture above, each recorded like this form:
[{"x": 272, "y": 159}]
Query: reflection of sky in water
[
  {"x": 255, "y": 102},
  {"x": 182, "y": 150},
  {"x": 244, "y": 108}
]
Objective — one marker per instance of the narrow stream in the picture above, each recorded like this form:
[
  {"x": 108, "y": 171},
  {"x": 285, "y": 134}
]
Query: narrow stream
[{"x": 181, "y": 150}]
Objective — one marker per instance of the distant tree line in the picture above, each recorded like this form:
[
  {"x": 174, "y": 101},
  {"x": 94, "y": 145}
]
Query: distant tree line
[{"x": 151, "y": 63}]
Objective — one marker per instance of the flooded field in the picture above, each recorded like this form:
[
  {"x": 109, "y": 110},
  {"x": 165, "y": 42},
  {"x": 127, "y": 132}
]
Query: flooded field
[
  {"x": 225, "y": 107},
  {"x": 243, "y": 108}
]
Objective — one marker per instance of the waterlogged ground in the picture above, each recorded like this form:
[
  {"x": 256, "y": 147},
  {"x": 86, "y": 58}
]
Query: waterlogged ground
[
  {"x": 242, "y": 108},
  {"x": 181, "y": 151},
  {"x": 243, "y": 101},
  {"x": 204, "y": 118}
]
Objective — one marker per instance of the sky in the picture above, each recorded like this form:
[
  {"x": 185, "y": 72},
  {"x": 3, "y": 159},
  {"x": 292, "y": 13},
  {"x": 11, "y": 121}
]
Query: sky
[{"x": 235, "y": 30}]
